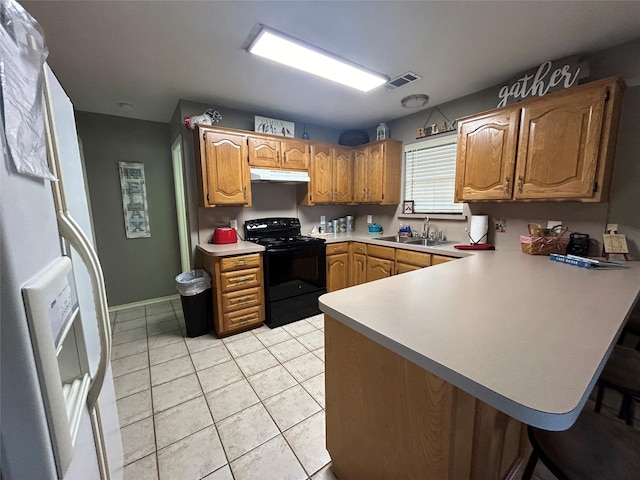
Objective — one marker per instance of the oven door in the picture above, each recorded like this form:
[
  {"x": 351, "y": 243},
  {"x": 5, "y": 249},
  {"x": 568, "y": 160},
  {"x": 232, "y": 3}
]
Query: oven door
[{"x": 294, "y": 278}]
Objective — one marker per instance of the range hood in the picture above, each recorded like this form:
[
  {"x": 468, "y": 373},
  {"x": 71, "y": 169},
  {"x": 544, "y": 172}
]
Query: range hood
[{"x": 282, "y": 176}]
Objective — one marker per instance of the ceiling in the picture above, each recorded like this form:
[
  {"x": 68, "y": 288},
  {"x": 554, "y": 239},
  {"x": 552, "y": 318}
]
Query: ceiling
[{"x": 153, "y": 53}]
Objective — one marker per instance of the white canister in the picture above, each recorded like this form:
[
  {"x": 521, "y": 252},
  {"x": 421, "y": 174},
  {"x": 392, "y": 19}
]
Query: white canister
[{"x": 382, "y": 132}]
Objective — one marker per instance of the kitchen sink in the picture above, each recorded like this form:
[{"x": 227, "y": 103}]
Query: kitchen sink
[
  {"x": 396, "y": 239},
  {"x": 425, "y": 242}
]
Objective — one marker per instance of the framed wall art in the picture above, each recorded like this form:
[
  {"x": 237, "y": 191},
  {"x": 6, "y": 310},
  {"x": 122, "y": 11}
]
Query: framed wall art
[
  {"x": 134, "y": 200},
  {"x": 408, "y": 206},
  {"x": 274, "y": 126}
]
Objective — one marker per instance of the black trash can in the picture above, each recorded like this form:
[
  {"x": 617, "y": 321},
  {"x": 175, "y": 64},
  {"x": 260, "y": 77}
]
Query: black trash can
[{"x": 195, "y": 294}]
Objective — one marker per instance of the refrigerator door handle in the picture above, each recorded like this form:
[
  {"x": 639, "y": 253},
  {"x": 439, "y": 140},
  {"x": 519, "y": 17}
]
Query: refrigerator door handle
[{"x": 73, "y": 234}]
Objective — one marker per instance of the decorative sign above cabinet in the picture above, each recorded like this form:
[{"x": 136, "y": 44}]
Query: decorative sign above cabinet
[{"x": 548, "y": 77}]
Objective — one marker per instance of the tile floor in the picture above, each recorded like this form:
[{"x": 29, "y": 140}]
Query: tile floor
[{"x": 250, "y": 406}]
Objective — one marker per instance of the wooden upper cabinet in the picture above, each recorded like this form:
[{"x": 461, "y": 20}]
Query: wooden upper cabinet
[
  {"x": 557, "y": 147},
  {"x": 377, "y": 168},
  {"x": 223, "y": 173},
  {"x": 270, "y": 152},
  {"x": 486, "y": 156},
  {"x": 330, "y": 172}
]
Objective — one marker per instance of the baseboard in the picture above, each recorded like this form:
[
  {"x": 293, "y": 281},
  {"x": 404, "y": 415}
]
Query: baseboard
[{"x": 142, "y": 303}]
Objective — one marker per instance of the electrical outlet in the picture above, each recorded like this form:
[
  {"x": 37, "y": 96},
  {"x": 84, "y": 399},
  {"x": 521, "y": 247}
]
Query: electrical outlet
[
  {"x": 369, "y": 218},
  {"x": 553, "y": 223},
  {"x": 233, "y": 223},
  {"x": 323, "y": 219},
  {"x": 501, "y": 225}
]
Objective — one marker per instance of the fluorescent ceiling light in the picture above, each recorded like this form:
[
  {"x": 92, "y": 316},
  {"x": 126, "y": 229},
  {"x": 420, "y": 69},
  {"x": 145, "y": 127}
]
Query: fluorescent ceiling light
[{"x": 295, "y": 53}]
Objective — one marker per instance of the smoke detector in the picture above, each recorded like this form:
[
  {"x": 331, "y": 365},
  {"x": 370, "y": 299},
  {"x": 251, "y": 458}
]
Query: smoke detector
[{"x": 402, "y": 80}]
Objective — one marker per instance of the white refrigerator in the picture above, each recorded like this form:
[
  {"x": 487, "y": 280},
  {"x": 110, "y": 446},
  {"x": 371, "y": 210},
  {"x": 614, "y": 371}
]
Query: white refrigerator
[{"x": 58, "y": 416}]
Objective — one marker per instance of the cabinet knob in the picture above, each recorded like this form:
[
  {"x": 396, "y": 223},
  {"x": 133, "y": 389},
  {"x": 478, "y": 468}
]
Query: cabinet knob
[
  {"x": 507, "y": 185},
  {"x": 520, "y": 182}
]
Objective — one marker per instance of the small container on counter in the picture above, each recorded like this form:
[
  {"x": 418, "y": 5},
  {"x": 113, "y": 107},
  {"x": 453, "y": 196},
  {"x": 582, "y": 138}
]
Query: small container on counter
[
  {"x": 342, "y": 225},
  {"x": 351, "y": 224},
  {"x": 334, "y": 226}
]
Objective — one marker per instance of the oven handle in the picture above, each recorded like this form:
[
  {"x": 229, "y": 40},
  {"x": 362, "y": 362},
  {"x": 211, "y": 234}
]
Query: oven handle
[{"x": 295, "y": 249}]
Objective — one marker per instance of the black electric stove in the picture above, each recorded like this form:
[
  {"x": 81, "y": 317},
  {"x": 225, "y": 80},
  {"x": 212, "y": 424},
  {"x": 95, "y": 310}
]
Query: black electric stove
[{"x": 294, "y": 269}]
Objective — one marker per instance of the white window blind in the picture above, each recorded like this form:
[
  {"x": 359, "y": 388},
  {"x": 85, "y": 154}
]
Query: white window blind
[{"x": 430, "y": 171}]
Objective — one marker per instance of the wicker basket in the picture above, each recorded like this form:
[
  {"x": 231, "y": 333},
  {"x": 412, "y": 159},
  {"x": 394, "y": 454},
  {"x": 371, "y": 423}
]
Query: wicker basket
[{"x": 553, "y": 242}]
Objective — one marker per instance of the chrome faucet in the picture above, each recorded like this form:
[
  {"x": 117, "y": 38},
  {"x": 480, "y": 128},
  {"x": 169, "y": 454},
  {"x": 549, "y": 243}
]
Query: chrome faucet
[{"x": 425, "y": 227}]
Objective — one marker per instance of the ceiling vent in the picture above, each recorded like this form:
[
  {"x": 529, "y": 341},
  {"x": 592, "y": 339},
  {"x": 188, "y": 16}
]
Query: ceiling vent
[{"x": 402, "y": 80}]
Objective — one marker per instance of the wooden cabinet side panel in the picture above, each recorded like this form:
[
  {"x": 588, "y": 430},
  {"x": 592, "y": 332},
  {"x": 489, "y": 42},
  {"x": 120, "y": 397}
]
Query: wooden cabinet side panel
[
  {"x": 559, "y": 145},
  {"x": 392, "y": 173}
]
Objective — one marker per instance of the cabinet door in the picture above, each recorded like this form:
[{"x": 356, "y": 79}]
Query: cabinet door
[
  {"x": 405, "y": 267},
  {"x": 360, "y": 175},
  {"x": 486, "y": 156},
  {"x": 375, "y": 173},
  {"x": 295, "y": 154},
  {"x": 378, "y": 268},
  {"x": 559, "y": 144},
  {"x": 438, "y": 259},
  {"x": 358, "y": 269},
  {"x": 337, "y": 272},
  {"x": 264, "y": 152},
  {"x": 226, "y": 177},
  {"x": 342, "y": 178},
  {"x": 321, "y": 174}
]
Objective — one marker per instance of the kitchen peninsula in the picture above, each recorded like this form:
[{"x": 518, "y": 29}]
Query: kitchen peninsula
[{"x": 433, "y": 373}]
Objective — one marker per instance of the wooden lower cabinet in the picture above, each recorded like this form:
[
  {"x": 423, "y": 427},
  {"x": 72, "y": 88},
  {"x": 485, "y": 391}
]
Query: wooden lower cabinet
[
  {"x": 238, "y": 293},
  {"x": 438, "y": 259},
  {"x": 337, "y": 266},
  {"x": 380, "y": 262},
  {"x": 358, "y": 263},
  {"x": 408, "y": 260},
  {"x": 388, "y": 418}
]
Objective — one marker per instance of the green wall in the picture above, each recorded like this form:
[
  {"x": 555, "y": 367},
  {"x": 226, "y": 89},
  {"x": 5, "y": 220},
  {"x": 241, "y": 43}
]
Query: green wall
[{"x": 142, "y": 268}]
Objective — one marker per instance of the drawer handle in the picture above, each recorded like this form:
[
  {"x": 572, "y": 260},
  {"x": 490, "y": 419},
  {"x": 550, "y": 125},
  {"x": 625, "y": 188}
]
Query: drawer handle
[
  {"x": 520, "y": 182},
  {"x": 241, "y": 262},
  {"x": 240, "y": 279},
  {"x": 241, "y": 300},
  {"x": 244, "y": 319}
]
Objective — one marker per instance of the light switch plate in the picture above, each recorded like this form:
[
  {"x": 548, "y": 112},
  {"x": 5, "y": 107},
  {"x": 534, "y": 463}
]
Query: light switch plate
[
  {"x": 233, "y": 223},
  {"x": 323, "y": 219},
  {"x": 369, "y": 218},
  {"x": 553, "y": 223}
]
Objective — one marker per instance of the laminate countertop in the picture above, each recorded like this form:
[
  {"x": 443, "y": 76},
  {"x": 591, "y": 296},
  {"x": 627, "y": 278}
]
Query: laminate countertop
[
  {"x": 524, "y": 334},
  {"x": 227, "y": 249}
]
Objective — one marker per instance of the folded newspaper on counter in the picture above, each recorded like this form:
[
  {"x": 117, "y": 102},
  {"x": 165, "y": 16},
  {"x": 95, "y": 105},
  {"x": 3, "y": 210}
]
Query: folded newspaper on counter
[{"x": 585, "y": 262}]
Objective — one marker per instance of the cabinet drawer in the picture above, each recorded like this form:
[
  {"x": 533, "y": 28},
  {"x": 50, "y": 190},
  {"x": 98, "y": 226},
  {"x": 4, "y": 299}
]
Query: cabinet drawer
[
  {"x": 238, "y": 280},
  {"x": 413, "y": 258},
  {"x": 228, "y": 264},
  {"x": 380, "y": 252},
  {"x": 335, "y": 248},
  {"x": 437, "y": 259},
  {"x": 405, "y": 267},
  {"x": 241, "y": 299},
  {"x": 241, "y": 318},
  {"x": 360, "y": 248}
]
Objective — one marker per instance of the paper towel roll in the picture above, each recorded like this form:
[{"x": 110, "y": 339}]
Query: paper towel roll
[{"x": 479, "y": 228}]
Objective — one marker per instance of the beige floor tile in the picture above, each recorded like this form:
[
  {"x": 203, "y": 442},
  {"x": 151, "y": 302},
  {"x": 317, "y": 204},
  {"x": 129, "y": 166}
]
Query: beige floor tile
[
  {"x": 272, "y": 381},
  {"x": 315, "y": 387},
  {"x": 307, "y": 439},
  {"x": 129, "y": 325},
  {"x": 210, "y": 357},
  {"x": 166, "y": 338},
  {"x": 219, "y": 376},
  {"x": 156, "y": 308},
  {"x": 312, "y": 340},
  {"x": 131, "y": 383},
  {"x": 162, "y": 327},
  {"x": 134, "y": 407},
  {"x": 176, "y": 391},
  {"x": 197, "y": 344},
  {"x": 127, "y": 349},
  {"x": 181, "y": 421},
  {"x": 165, "y": 372},
  {"x": 122, "y": 366},
  {"x": 245, "y": 430},
  {"x": 244, "y": 346},
  {"x": 223, "y": 474},
  {"x": 324, "y": 474},
  {"x": 138, "y": 440},
  {"x": 288, "y": 350},
  {"x": 129, "y": 336},
  {"x": 291, "y": 407},
  {"x": 144, "y": 469},
  {"x": 319, "y": 353},
  {"x": 304, "y": 367},
  {"x": 193, "y": 457},
  {"x": 168, "y": 352},
  {"x": 159, "y": 318},
  {"x": 231, "y": 399},
  {"x": 273, "y": 336},
  {"x": 238, "y": 336},
  {"x": 129, "y": 314},
  {"x": 299, "y": 328},
  {"x": 272, "y": 460},
  {"x": 317, "y": 321},
  {"x": 256, "y": 362}
]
